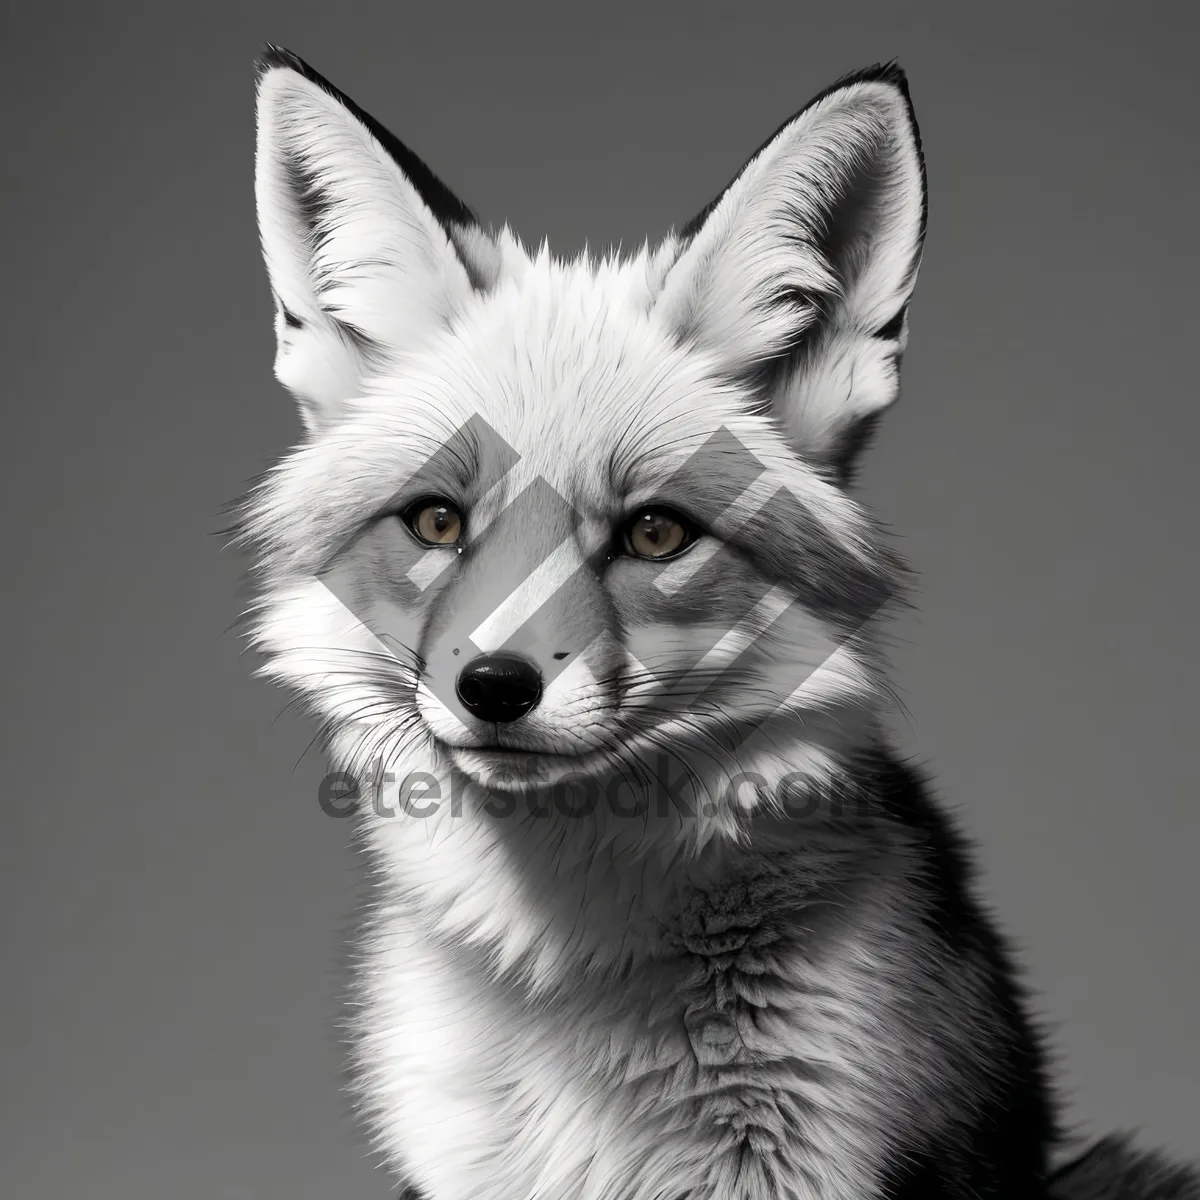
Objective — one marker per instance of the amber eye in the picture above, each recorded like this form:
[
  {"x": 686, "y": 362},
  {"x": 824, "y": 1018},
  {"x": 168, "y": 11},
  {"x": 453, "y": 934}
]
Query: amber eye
[
  {"x": 657, "y": 533},
  {"x": 435, "y": 522}
]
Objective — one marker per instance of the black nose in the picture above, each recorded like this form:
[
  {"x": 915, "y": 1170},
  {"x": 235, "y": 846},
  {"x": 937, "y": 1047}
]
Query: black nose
[{"x": 499, "y": 687}]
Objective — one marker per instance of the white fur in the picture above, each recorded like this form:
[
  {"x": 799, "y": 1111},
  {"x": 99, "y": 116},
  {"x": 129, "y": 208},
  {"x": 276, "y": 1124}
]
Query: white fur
[{"x": 541, "y": 1013}]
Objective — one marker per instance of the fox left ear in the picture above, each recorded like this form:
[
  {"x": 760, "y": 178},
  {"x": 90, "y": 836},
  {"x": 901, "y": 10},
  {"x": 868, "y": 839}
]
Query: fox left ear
[
  {"x": 366, "y": 249},
  {"x": 799, "y": 275}
]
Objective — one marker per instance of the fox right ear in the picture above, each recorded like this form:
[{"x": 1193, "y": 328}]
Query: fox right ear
[
  {"x": 366, "y": 249},
  {"x": 797, "y": 279}
]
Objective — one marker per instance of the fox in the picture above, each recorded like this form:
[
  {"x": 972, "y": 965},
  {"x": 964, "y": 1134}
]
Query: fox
[{"x": 569, "y": 570}]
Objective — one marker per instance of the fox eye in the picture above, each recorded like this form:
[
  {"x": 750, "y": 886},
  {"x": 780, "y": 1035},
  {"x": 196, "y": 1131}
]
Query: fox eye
[
  {"x": 657, "y": 533},
  {"x": 434, "y": 521}
]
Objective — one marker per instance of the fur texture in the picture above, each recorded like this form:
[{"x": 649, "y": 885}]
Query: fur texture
[
  {"x": 1115, "y": 1169},
  {"x": 688, "y": 928}
]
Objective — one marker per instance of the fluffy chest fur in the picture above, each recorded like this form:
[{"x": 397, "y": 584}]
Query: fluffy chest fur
[{"x": 737, "y": 1026}]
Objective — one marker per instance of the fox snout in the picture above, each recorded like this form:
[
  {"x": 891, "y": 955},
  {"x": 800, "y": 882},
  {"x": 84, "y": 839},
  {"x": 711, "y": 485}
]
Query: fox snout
[{"x": 519, "y": 633}]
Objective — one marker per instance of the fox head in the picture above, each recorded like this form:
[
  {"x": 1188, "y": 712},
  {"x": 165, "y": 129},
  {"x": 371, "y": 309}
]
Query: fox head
[{"x": 556, "y": 516}]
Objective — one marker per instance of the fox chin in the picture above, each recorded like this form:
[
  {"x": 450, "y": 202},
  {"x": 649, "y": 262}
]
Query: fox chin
[{"x": 569, "y": 570}]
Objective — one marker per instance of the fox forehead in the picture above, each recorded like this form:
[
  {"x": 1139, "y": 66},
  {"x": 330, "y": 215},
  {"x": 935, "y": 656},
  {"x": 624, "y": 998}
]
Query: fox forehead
[{"x": 568, "y": 366}]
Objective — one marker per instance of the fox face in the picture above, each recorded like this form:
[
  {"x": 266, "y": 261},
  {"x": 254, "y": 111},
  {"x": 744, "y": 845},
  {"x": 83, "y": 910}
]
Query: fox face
[{"x": 551, "y": 518}]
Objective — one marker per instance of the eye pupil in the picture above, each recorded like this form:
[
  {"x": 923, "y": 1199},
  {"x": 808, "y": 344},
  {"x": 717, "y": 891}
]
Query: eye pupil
[
  {"x": 657, "y": 534},
  {"x": 435, "y": 522}
]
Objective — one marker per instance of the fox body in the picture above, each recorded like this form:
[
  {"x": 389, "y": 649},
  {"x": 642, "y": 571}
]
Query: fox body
[{"x": 568, "y": 568}]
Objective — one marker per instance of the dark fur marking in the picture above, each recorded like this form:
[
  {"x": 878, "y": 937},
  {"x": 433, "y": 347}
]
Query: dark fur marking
[
  {"x": 358, "y": 338},
  {"x": 894, "y": 328},
  {"x": 1113, "y": 1169},
  {"x": 999, "y": 1149},
  {"x": 479, "y": 281},
  {"x": 851, "y": 446},
  {"x": 289, "y": 318},
  {"x": 306, "y": 194}
]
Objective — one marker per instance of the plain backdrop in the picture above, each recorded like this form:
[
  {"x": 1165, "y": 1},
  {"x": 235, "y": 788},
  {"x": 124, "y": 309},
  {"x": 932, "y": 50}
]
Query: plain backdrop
[{"x": 174, "y": 901}]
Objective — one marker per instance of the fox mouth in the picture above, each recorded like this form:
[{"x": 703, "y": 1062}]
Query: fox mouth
[
  {"x": 527, "y": 753},
  {"x": 520, "y": 768},
  {"x": 495, "y": 754}
]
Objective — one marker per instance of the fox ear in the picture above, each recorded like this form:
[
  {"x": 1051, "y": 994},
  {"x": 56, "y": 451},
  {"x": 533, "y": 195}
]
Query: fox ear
[
  {"x": 366, "y": 249},
  {"x": 798, "y": 276}
]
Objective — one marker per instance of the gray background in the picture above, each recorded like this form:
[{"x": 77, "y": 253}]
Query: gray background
[{"x": 173, "y": 899}]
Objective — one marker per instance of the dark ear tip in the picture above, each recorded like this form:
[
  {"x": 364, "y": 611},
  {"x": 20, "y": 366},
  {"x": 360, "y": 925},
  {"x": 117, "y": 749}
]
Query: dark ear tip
[
  {"x": 272, "y": 57},
  {"x": 890, "y": 72}
]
